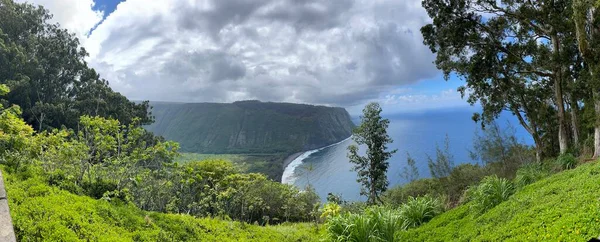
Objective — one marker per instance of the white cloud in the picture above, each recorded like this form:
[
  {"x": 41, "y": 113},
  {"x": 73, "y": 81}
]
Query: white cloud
[
  {"x": 342, "y": 52},
  {"x": 74, "y": 15},
  {"x": 410, "y": 101},
  {"x": 326, "y": 52}
]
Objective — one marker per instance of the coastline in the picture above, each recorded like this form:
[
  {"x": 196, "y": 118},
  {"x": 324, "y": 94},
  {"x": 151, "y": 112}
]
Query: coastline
[
  {"x": 291, "y": 158},
  {"x": 296, "y": 159}
]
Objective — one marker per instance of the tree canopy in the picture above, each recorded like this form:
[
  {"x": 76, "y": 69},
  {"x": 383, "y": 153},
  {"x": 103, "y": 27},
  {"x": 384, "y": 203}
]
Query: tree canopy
[{"x": 44, "y": 66}]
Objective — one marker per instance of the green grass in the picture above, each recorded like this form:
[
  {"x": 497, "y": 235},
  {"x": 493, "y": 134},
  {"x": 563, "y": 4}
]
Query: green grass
[
  {"x": 45, "y": 213},
  {"x": 562, "y": 207}
]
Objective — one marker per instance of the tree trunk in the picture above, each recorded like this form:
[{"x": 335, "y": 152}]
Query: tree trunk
[
  {"x": 532, "y": 129},
  {"x": 538, "y": 150},
  {"x": 558, "y": 95},
  {"x": 574, "y": 121},
  {"x": 596, "y": 125}
]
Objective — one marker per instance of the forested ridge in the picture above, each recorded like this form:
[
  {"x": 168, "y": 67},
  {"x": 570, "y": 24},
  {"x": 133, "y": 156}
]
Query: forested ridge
[{"x": 250, "y": 126}]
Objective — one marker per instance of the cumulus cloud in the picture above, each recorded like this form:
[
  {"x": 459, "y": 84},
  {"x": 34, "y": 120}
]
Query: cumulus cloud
[
  {"x": 74, "y": 15},
  {"x": 337, "y": 52}
]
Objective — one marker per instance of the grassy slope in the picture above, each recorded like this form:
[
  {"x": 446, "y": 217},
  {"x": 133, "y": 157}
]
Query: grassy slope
[
  {"x": 41, "y": 212},
  {"x": 563, "y": 207}
]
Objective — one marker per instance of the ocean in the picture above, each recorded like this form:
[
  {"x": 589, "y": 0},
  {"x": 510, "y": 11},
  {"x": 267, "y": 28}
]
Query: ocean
[{"x": 328, "y": 169}]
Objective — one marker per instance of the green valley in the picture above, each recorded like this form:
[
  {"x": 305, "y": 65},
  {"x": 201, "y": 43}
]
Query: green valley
[{"x": 249, "y": 126}]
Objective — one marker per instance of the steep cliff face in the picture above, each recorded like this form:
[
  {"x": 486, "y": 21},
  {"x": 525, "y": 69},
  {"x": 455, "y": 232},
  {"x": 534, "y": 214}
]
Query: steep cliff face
[{"x": 250, "y": 126}]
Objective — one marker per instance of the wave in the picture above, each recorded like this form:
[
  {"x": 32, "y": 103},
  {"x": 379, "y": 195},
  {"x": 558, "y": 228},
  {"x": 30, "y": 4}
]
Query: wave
[{"x": 288, "y": 173}]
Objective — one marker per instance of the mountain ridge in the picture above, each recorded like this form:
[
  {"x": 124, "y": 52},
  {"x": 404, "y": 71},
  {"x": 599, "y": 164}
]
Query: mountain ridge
[{"x": 250, "y": 126}]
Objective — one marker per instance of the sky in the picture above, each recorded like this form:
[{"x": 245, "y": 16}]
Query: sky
[{"x": 338, "y": 52}]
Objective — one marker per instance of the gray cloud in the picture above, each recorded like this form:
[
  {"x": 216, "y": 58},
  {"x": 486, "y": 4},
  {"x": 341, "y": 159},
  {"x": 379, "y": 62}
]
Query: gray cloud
[
  {"x": 312, "y": 14},
  {"x": 325, "y": 52}
]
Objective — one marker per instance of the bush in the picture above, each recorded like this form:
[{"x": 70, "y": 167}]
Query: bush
[
  {"x": 330, "y": 210},
  {"x": 354, "y": 207},
  {"x": 376, "y": 224},
  {"x": 46, "y": 213},
  {"x": 398, "y": 195},
  {"x": 489, "y": 193},
  {"x": 530, "y": 173},
  {"x": 566, "y": 161},
  {"x": 419, "y": 210},
  {"x": 460, "y": 179}
]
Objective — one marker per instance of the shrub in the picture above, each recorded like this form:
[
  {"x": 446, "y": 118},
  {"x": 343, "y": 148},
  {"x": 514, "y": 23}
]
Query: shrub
[
  {"x": 566, "y": 161},
  {"x": 354, "y": 207},
  {"x": 398, "y": 195},
  {"x": 388, "y": 222},
  {"x": 330, "y": 210},
  {"x": 376, "y": 224},
  {"x": 489, "y": 193},
  {"x": 530, "y": 173},
  {"x": 460, "y": 179},
  {"x": 419, "y": 210}
]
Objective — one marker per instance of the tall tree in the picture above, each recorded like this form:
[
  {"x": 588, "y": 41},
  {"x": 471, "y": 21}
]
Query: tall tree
[
  {"x": 510, "y": 53},
  {"x": 587, "y": 22},
  {"x": 44, "y": 66},
  {"x": 372, "y": 168}
]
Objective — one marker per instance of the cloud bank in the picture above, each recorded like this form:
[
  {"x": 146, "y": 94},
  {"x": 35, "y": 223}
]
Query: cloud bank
[{"x": 336, "y": 52}]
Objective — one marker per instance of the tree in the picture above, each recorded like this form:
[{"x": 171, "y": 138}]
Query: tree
[
  {"x": 410, "y": 172},
  {"x": 586, "y": 17},
  {"x": 511, "y": 55},
  {"x": 444, "y": 161},
  {"x": 44, "y": 66},
  {"x": 371, "y": 168}
]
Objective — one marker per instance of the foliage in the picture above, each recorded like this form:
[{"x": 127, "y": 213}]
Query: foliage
[
  {"x": 250, "y": 127},
  {"x": 461, "y": 178},
  {"x": 49, "y": 79},
  {"x": 418, "y": 210},
  {"x": 376, "y": 224},
  {"x": 398, "y": 195},
  {"x": 354, "y": 207},
  {"x": 499, "y": 146},
  {"x": 330, "y": 210},
  {"x": 69, "y": 217},
  {"x": 410, "y": 172},
  {"x": 561, "y": 207},
  {"x": 489, "y": 193},
  {"x": 566, "y": 161},
  {"x": 507, "y": 68},
  {"x": 530, "y": 173},
  {"x": 444, "y": 161},
  {"x": 269, "y": 164},
  {"x": 371, "y": 168},
  {"x": 499, "y": 151},
  {"x": 113, "y": 162}
]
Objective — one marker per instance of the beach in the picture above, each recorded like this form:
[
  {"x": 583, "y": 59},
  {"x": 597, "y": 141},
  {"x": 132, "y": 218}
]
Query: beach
[{"x": 291, "y": 158}]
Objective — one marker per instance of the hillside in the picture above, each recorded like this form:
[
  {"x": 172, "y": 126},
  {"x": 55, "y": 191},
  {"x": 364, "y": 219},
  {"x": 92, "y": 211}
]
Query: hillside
[
  {"x": 70, "y": 217},
  {"x": 249, "y": 126},
  {"x": 561, "y": 207}
]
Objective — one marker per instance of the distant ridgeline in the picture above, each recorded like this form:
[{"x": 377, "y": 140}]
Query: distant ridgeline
[{"x": 249, "y": 126}]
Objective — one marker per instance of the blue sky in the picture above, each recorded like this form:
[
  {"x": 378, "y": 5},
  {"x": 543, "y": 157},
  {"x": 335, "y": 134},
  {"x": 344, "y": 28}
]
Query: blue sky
[
  {"x": 107, "y": 6},
  {"x": 341, "y": 53}
]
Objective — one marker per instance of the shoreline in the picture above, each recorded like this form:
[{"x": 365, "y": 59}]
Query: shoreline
[{"x": 290, "y": 158}]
